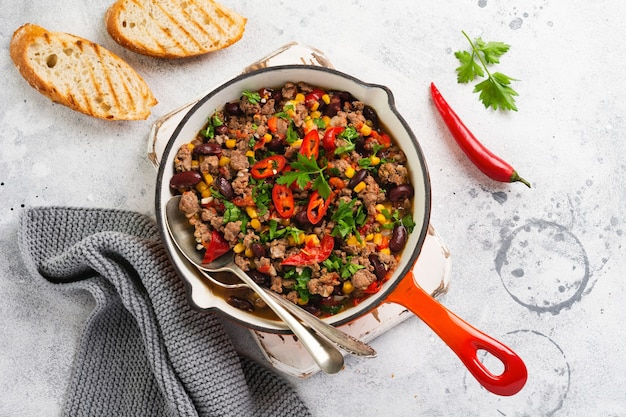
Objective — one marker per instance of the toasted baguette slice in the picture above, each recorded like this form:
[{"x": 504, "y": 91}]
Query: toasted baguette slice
[
  {"x": 80, "y": 74},
  {"x": 173, "y": 28}
]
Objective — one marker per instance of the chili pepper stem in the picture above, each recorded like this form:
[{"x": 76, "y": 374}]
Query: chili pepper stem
[{"x": 515, "y": 177}]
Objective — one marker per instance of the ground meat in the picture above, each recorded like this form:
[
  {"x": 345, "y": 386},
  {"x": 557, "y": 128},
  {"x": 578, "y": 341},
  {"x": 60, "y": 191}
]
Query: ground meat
[
  {"x": 247, "y": 107},
  {"x": 363, "y": 279},
  {"x": 202, "y": 233},
  {"x": 238, "y": 160},
  {"x": 189, "y": 203},
  {"x": 371, "y": 195},
  {"x": 324, "y": 285},
  {"x": 182, "y": 161},
  {"x": 278, "y": 248},
  {"x": 289, "y": 91},
  {"x": 240, "y": 184},
  {"x": 232, "y": 230},
  {"x": 210, "y": 164},
  {"x": 293, "y": 297},
  {"x": 277, "y": 284},
  {"x": 391, "y": 173}
]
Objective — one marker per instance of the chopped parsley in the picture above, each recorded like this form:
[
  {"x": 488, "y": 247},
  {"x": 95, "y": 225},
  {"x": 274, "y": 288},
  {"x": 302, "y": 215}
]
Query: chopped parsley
[
  {"x": 253, "y": 97},
  {"x": 348, "y": 220}
]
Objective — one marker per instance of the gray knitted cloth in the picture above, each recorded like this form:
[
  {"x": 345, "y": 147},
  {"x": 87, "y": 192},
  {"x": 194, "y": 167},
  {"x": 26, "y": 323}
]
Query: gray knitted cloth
[{"x": 144, "y": 351}]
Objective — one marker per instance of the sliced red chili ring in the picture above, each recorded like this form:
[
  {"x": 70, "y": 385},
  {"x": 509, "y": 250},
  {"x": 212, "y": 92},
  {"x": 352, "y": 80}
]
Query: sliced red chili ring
[
  {"x": 312, "y": 254},
  {"x": 282, "y": 196},
  {"x": 328, "y": 142},
  {"x": 317, "y": 207},
  {"x": 311, "y": 144},
  {"x": 268, "y": 167}
]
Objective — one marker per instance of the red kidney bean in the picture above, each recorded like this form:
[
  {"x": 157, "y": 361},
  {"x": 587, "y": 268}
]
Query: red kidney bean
[
  {"x": 398, "y": 238},
  {"x": 379, "y": 269},
  {"x": 260, "y": 278},
  {"x": 221, "y": 130},
  {"x": 185, "y": 179},
  {"x": 370, "y": 114},
  {"x": 257, "y": 249},
  {"x": 302, "y": 219},
  {"x": 233, "y": 108},
  {"x": 240, "y": 303},
  {"x": 208, "y": 149},
  {"x": 400, "y": 192},
  {"x": 358, "y": 177},
  {"x": 225, "y": 188}
]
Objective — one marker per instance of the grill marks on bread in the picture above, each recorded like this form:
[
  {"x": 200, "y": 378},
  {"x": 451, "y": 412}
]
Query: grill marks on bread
[
  {"x": 173, "y": 28},
  {"x": 80, "y": 74}
]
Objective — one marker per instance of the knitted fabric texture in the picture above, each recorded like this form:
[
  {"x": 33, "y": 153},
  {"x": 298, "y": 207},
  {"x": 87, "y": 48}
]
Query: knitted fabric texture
[{"x": 144, "y": 351}]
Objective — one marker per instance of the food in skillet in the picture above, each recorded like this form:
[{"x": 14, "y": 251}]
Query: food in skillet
[{"x": 307, "y": 189}]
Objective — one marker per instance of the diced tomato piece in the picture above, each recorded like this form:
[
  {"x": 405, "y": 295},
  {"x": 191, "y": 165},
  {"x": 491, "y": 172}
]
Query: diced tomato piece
[
  {"x": 215, "y": 248},
  {"x": 312, "y": 254}
]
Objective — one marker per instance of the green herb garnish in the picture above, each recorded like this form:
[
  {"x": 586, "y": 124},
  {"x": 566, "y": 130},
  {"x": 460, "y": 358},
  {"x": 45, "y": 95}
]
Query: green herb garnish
[
  {"x": 253, "y": 97},
  {"x": 495, "y": 91},
  {"x": 305, "y": 171},
  {"x": 348, "y": 220}
]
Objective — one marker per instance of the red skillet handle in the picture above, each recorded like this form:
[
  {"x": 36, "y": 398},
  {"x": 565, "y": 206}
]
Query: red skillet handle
[{"x": 463, "y": 339}]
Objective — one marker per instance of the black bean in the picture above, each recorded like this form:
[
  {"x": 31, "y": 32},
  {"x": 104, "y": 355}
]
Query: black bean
[
  {"x": 398, "y": 238},
  {"x": 260, "y": 278},
  {"x": 257, "y": 249},
  {"x": 240, "y": 303},
  {"x": 225, "y": 188},
  {"x": 370, "y": 114},
  {"x": 333, "y": 107},
  {"x": 358, "y": 177},
  {"x": 185, "y": 179},
  {"x": 400, "y": 192},
  {"x": 208, "y": 149},
  {"x": 276, "y": 145},
  {"x": 379, "y": 269},
  {"x": 233, "y": 108}
]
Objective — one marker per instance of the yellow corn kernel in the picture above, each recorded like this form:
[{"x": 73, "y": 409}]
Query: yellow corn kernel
[
  {"x": 312, "y": 239},
  {"x": 239, "y": 247},
  {"x": 250, "y": 154},
  {"x": 201, "y": 186},
  {"x": 378, "y": 239},
  {"x": 190, "y": 146},
  {"x": 374, "y": 160},
  {"x": 291, "y": 113},
  {"x": 366, "y": 130},
  {"x": 291, "y": 240},
  {"x": 267, "y": 137},
  {"x": 353, "y": 241},
  {"x": 350, "y": 172},
  {"x": 380, "y": 218},
  {"x": 369, "y": 237},
  {"x": 308, "y": 124},
  {"x": 252, "y": 213},
  {"x": 315, "y": 114},
  {"x": 195, "y": 164},
  {"x": 302, "y": 301},
  {"x": 206, "y": 193},
  {"x": 326, "y": 98},
  {"x": 326, "y": 121},
  {"x": 208, "y": 178},
  {"x": 255, "y": 224},
  {"x": 315, "y": 106},
  {"x": 248, "y": 252},
  {"x": 299, "y": 98},
  {"x": 297, "y": 143},
  {"x": 360, "y": 187},
  {"x": 231, "y": 143},
  {"x": 224, "y": 160},
  {"x": 380, "y": 208},
  {"x": 385, "y": 251},
  {"x": 347, "y": 287}
]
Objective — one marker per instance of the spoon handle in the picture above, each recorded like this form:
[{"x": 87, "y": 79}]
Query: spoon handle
[
  {"x": 343, "y": 340},
  {"x": 463, "y": 339},
  {"x": 324, "y": 353}
]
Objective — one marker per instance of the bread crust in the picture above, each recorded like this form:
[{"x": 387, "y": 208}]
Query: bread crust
[
  {"x": 80, "y": 74},
  {"x": 173, "y": 28}
]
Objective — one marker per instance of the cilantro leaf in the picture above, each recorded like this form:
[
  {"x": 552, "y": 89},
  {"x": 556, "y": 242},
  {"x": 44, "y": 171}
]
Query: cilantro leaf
[
  {"x": 253, "y": 97},
  {"x": 305, "y": 171},
  {"x": 495, "y": 91}
]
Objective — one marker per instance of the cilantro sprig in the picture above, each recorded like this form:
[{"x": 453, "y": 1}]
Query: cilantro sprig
[
  {"x": 495, "y": 91},
  {"x": 305, "y": 171},
  {"x": 253, "y": 97}
]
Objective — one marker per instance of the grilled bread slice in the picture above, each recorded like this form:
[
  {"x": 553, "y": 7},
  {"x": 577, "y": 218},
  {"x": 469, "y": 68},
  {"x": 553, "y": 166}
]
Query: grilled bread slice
[
  {"x": 173, "y": 28},
  {"x": 80, "y": 74}
]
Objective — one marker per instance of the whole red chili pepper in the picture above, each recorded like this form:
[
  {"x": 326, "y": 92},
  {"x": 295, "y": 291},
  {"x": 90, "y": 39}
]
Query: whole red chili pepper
[{"x": 490, "y": 164}]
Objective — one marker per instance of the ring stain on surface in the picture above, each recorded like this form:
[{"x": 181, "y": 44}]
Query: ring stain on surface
[
  {"x": 545, "y": 392},
  {"x": 543, "y": 266}
]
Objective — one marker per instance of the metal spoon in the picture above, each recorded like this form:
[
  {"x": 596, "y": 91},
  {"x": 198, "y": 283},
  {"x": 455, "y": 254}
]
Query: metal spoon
[{"x": 325, "y": 354}]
